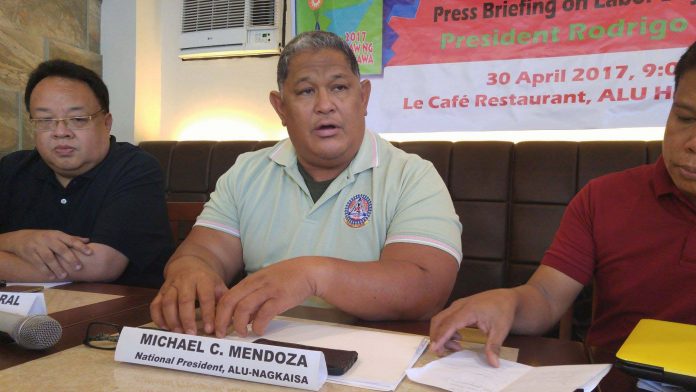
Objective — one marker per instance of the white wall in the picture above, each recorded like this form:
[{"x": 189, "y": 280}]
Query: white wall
[
  {"x": 148, "y": 74},
  {"x": 214, "y": 99},
  {"x": 118, "y": 51},
  {"x": 156, "y": 96}
]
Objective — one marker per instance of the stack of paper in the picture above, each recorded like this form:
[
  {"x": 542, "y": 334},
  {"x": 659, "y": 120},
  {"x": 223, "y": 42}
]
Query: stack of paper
[
  {"x": 383, "y": 357},
  {"x": 656, "y": 386},
  {"x": 467, "y": 370}
]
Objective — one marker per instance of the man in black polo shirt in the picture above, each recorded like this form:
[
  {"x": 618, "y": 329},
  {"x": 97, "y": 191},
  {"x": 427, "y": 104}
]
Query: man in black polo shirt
[{"x": 80, "y": 207}]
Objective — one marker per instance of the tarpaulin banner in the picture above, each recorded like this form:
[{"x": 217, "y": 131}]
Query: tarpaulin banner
[{"x": 452, "y": 65}]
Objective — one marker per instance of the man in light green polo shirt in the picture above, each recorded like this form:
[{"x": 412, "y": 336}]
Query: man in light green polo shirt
[{"x": 335, "y": 212}]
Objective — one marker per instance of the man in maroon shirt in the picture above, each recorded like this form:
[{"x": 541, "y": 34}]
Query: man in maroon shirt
[{"x": 632, "y": 232}]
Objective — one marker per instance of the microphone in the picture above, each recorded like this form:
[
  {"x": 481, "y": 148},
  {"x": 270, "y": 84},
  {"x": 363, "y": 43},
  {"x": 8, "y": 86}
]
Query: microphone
[{"x": 36, "y": 332}]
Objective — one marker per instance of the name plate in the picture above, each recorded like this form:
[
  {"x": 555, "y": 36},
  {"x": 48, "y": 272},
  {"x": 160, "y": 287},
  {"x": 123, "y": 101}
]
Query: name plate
[
  {"x": 288, "y": 367},
  {"x": 24, "y": 304}
]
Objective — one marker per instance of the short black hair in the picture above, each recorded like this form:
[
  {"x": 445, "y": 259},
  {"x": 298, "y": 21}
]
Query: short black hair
[
  {"x": 686, "y": 63},
  {"x": 68, "y": 70},
  {"x": 314, "y": 41}
]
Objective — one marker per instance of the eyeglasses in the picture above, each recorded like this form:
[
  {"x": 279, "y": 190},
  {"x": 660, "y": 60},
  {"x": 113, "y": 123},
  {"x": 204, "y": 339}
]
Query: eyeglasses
[
  {"x": 104, "y": 336},
  {"x": 73, "y": 123}
]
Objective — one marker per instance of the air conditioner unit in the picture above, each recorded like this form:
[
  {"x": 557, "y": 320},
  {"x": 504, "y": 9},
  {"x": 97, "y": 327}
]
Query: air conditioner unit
[{"x": 227, "y": 28}]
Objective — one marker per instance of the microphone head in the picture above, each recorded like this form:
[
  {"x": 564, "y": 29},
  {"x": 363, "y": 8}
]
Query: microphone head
[{"x": 38, "y": 332}]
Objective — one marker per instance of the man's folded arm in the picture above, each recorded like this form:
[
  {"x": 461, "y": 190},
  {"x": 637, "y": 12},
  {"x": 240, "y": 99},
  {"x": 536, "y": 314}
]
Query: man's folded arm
[
  {"x": 220, "y": 251},
  {"x": 105, "y": 264},
  {"x": 409, "y": 281}
]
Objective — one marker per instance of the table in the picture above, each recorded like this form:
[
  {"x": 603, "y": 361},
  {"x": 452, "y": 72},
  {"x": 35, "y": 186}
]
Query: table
[
  {"x": 533, "y": 350},
  {"x": 132, "y": 309},
  {"x": 616, "y": 380}
]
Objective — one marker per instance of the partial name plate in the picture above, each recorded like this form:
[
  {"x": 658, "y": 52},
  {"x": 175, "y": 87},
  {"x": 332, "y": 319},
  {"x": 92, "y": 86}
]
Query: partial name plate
[
  {"x": 288, "y": 367},
  {"x": 23, "y": 304}
]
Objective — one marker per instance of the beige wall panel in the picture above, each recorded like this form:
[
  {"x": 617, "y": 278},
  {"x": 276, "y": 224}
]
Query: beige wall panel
[
  {"x": 27, "y": 132},
  {"x": 94, "y": 25},
  {"x": 19, "y": 54},
  {"x": 57, "y": 50},
  {"x": 62, "y": 20},
  {"x": 8, "y": 121}
]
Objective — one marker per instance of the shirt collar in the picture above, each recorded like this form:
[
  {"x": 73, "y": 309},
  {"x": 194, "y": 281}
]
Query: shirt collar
[
  {"x": 44, "y": 172},
  {"x": 367, "y": 157},
  {"x": 663, "y": 183},
  {"x": 95, "y": 170},
  {"x": 664, "y": 186},
  {"x": 41, "y": 170},
  {"x": 368, "y": 154}
]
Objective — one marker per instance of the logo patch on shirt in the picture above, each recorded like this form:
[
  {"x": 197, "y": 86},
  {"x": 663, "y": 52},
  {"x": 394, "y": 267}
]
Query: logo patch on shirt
[{"x": 358, "y": 211}]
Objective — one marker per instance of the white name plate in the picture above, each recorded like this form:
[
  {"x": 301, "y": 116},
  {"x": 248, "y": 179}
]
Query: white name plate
[
  {"x": 24, "y": 304},
  {"x": 282, "y": 366}
]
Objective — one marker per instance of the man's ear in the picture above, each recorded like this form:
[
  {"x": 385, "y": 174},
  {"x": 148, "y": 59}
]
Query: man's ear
[
  {"x": 365, "y": 89},
  {"x": 108, "y": 121},
  {"x": 277, "y": 103}
]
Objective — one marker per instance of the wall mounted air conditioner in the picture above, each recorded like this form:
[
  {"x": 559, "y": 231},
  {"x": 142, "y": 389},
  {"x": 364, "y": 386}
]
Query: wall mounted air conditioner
[{"x": 227, "y": 28}]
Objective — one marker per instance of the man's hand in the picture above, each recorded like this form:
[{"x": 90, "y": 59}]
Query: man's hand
[
  {"x": 493, "y": 312},
  {"x": 51, "y": 251},
  {"x": 188, "y": 279},
  {"x": 266, "y": 293}
]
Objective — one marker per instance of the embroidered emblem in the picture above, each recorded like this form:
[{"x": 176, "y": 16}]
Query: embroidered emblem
[{"x": 358, "y": 211}]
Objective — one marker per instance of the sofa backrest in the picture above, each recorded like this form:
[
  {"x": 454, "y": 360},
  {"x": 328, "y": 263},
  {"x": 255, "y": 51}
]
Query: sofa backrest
[{"x": 509, "y": 197}]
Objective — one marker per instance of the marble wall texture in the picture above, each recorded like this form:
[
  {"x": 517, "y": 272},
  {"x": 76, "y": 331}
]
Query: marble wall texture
[{"x": 32, "y": 31}]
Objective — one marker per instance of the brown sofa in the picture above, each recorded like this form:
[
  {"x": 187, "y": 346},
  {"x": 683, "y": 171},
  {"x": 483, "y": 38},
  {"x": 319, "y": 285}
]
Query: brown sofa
[{"x": 509, "y": 197}]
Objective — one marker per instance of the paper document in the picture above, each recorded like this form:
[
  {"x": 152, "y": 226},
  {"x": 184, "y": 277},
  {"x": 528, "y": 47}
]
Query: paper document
[
  {"x": 45, "y": 285},
  {"x": 468, "y": 371},
  {"x": 383, "y": 357},
  {"x": 656, "y": 386}
]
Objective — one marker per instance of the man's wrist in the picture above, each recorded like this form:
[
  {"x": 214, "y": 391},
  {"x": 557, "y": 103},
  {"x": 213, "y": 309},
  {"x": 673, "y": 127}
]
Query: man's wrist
[
  {"x": 321, "y": 274},
  {"x": 6, "y": 242},
  {"x": 184, "y": 262}
]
